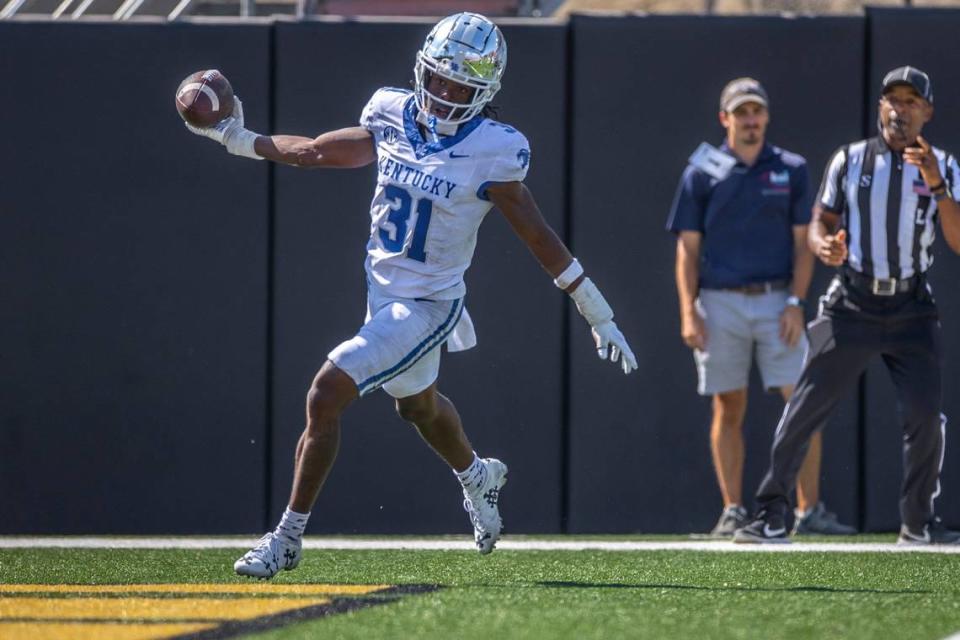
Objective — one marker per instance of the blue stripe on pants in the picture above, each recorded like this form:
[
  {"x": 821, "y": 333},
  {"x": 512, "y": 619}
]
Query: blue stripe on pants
[{"x": 435, "y": 339}]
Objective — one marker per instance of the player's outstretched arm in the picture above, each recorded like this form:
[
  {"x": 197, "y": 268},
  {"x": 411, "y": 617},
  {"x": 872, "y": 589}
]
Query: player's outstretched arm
[
  {"x": 520, "y": 209},
  {"x": 344, "y": 148}
]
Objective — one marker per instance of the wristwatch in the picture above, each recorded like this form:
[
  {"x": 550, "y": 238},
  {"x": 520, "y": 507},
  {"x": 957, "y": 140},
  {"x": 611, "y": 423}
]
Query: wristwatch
[
  {"x": 940, "y": 191},
  {"x": 794, "y": 301}
]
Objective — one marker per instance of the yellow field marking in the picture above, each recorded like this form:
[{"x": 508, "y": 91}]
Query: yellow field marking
[
  {"x": 150, "y": 608},
  {"x": 91, "y": 631},
  {"x": 147, "y": 612},
  {"x": 270, "y": 589}
]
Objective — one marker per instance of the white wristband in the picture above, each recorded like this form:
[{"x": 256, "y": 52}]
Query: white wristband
[
  {"x": 569, "y": 275},
  {"x": 239, "y": 142},
  {"x": 591, "y": 303}
]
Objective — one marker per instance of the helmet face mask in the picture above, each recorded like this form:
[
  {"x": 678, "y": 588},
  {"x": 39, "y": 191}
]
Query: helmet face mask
[{"x": 465, "y": 48}]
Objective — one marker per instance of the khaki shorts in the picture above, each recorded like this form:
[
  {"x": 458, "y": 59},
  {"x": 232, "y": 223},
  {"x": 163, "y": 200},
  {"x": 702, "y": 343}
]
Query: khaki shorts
[{"x": 739, "y": 325}]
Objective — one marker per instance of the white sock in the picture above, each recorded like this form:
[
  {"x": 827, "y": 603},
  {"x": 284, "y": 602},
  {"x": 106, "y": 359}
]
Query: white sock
[
  {"x": 473, "y": 477},
  {"x": 292, "y": 524}
]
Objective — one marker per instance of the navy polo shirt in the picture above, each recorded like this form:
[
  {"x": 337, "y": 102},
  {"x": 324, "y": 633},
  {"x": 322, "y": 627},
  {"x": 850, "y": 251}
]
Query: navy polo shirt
[{"x": 746, "y": 219}]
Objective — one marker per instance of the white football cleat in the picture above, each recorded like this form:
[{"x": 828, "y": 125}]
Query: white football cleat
[
  {"x": 482, "y": 506},
  {"x": 272, "y": 553}
]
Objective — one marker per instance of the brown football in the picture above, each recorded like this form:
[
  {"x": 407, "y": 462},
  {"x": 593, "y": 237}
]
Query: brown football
[{"x": 205, "y": 98}]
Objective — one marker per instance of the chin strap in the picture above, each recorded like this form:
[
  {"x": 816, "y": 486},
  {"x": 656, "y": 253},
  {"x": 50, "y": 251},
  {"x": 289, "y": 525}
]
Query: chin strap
[{"x": 434, "y": 127}]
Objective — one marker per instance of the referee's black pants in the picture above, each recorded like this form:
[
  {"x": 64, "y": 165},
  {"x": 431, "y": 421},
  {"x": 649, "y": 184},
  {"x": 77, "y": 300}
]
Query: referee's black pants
[{"x": 853, "y": 326}]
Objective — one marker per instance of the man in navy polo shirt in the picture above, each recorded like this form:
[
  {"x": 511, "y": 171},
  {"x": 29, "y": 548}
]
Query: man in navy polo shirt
[{"x": 743, "y": 269}]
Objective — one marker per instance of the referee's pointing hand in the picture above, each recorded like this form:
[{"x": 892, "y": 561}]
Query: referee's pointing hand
[
  {"x": 833, "y": 250},
  {"x": 922, "y": 157}
]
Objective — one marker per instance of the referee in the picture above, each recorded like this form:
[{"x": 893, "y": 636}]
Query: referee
[{"x": 875, "y": 218}]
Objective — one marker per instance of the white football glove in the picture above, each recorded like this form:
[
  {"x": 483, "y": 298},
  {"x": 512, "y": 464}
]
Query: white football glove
[
  {"x": 231, "y": 133},
  {"x": 610, "y": 341},
  {"x": 609, "y": 337}
]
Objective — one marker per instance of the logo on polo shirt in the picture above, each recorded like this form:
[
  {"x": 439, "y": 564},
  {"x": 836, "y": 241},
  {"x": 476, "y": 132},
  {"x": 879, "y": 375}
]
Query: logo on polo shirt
[
  {"x": 782, "y": 178},
  {"x": 777, "y": 183}
]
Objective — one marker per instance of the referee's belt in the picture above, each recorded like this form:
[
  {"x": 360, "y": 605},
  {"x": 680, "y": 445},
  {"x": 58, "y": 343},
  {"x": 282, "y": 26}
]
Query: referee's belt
[
  {"x": 756, "y": 288},
  {"x": 880, "y": 286}
]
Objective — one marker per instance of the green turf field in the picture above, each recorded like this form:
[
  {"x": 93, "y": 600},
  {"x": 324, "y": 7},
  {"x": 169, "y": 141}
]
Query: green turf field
[{"x": 509, "y": 594}]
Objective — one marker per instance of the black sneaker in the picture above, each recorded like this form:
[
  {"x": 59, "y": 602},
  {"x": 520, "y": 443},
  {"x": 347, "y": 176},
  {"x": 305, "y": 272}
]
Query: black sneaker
[
  {"x": 732, "y": 518},
  {"x": 934, "y": 532},
  {"x": 766, "y": 528},
  {"x": 819, "y": 521}
]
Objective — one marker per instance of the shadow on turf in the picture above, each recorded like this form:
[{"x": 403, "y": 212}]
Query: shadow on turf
[
  {"x": 815, "y": 589},
  {"x": 239, "y": 628}
]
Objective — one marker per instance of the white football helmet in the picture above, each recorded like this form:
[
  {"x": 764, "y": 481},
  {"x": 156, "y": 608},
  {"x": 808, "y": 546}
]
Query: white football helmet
[{"x": 466, "y": 48}]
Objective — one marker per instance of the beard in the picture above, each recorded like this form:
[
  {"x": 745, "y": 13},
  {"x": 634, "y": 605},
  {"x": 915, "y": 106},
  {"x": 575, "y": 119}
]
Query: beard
[
  {"x": 899, "y": 132},
  {"x": 895, "y": 129}
]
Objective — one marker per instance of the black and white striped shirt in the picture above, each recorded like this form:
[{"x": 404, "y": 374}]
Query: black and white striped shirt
[{"x": 887, "y": 209}]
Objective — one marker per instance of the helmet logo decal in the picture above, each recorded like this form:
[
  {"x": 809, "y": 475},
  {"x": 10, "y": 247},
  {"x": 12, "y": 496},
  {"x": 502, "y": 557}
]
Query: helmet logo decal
[{"x": 483, "y": 68}]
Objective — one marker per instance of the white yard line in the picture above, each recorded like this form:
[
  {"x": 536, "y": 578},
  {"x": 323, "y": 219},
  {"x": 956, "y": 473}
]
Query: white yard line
[{"x": 459, "y": 544}]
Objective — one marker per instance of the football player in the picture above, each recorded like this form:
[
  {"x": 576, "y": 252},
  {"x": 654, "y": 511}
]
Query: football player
[{"x": 442, "y": 164}]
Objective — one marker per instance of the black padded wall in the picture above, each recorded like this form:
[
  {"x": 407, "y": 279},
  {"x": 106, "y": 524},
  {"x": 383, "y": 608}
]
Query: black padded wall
[
  {"x": 646, "y": 92},
  {"x": 133, "y": 285},
  {"x": 508, "y": 388},
  {"x": 890, "y": 48},
  {"x": 165, "y": 305}
]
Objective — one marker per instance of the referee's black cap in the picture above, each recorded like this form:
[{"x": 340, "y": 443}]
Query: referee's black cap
[{"x": 909, "y": 77}]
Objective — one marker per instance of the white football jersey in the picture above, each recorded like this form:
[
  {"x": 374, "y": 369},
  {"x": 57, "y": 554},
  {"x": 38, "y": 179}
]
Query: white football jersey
[{"x": 431, "y": 195}]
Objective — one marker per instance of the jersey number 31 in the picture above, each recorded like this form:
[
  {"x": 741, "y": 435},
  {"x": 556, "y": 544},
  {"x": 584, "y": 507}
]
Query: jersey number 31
[{"x": 399, "y": 217}]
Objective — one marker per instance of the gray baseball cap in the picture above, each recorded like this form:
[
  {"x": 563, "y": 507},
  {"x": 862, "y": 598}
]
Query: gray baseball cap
[
  {"x": 909, "y": 77},
  {"x": 740, "y": 91}
]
